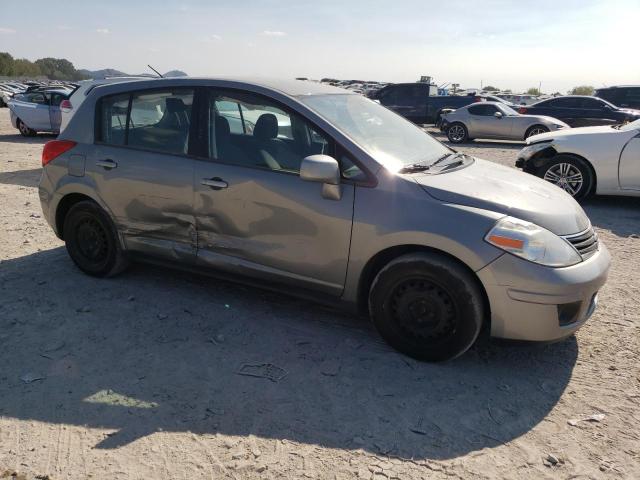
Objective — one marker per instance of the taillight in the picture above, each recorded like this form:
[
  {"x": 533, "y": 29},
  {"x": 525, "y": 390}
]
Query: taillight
[
  {"x": 522, "y": 110},
  {"x": 54, "y": 149},
  {"x": 66, "y": 104},
  {"x": 478, "y": 99}
]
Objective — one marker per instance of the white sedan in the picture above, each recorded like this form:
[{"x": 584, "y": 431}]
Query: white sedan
[{"x": 603, "y": 160}]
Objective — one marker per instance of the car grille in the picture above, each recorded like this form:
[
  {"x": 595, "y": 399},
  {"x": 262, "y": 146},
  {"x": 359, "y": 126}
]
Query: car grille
[{"x": 586, "y": 243}]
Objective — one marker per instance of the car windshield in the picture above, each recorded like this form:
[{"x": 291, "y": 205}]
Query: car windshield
[
  {"x": 631, "y": 126},
  {"x": 507, "y": 110},
  {"x": 390, "y": 139}
]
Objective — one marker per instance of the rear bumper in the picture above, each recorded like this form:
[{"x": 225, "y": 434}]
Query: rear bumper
[{"x": 537, "y": 303}]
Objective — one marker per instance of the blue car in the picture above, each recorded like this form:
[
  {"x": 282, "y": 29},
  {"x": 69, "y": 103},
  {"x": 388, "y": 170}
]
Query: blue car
[{"x": 582, "y": 111}]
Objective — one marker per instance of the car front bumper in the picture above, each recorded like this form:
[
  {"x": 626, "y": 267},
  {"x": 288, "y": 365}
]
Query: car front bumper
[{"x": 538, "y": 303}]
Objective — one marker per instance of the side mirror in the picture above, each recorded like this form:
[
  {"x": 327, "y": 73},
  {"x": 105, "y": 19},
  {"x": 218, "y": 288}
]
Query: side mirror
[
  {"x": 322, "y": 169},
  {"x": 498, "y": 115}
]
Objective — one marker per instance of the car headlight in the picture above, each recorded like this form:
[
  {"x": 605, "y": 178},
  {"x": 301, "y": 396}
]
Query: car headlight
[
  {"x": 532, "y": 242},
  {"x": 530, "y": 150}
]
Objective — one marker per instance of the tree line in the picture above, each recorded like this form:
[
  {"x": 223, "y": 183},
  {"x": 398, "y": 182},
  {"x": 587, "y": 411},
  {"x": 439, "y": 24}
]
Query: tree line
[{"x": 52, "y": 68}]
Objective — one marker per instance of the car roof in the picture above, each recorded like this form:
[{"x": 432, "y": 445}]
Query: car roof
[
  {"x": 289, "y": 87},
  {"x": 619, "y": 86}
]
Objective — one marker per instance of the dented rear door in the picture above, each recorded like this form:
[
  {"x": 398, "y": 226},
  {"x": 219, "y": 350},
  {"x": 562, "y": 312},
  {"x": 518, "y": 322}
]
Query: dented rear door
[
  {"x": 150, "y": 196},
  {"x": 143, "y": 172}
]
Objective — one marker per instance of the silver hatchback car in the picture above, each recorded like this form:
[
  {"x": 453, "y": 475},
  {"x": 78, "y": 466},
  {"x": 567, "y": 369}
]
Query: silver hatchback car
[{"x": 326, "y": 194}]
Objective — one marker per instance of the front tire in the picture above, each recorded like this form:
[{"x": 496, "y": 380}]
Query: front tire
[
  {"x": 92, "y": 241},
  {"x": 457, "y": 133},
  {"x": 536, "y": 130},
  {"x": 570, "y": 173},
  {"x": 24, "y": 130},
  {"x": 427, "y": 306}
]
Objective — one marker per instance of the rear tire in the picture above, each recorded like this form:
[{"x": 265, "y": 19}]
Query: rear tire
[
  {"x": 535, "y": 130},
  {"x": 570, "y": 173},
  {"x": 457, "y": 133},
  {"x": 24, "y": 130},
  {"x": 427, "y": 306},
  {"x": 92, "y": 241}
]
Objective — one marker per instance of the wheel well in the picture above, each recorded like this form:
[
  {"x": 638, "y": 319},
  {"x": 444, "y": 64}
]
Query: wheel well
[
  {"x": 64, "y": 206},
  {"x": 382, "y": 258}
]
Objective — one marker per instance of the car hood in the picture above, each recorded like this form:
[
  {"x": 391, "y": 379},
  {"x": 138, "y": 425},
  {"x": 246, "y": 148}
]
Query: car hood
[
  {"x": 570, "y": 132},
  {"x": 505, "y": 190}
]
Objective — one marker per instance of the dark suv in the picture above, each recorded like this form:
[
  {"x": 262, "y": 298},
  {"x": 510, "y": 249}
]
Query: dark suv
[{"x": 625, "y": 96}]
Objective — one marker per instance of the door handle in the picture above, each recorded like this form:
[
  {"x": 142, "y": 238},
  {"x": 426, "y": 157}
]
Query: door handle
[
  {"x": 216, "y": 183},
  {"x": 107, "y": 164}
]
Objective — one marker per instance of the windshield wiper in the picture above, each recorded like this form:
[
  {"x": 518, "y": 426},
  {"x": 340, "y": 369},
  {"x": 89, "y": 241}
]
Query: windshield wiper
[
  {"x": 414, "y": 167},
  {"x": 421, "y": 166},
  {"x": 447, "y": 156}
]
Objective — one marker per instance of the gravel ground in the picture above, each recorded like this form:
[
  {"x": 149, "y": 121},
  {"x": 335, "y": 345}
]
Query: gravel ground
[{"x": 142, "y": 376}]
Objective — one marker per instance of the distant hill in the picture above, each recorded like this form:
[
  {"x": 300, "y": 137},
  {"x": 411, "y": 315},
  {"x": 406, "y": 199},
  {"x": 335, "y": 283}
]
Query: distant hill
[
  {"x": 175, "y": 73},
  {"x": 112, "y": 72}
]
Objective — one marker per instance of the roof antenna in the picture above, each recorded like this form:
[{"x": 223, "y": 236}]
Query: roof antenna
[{"x": 159, "y": 74}]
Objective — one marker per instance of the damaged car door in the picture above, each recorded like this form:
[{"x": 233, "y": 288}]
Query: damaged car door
[
  {"x": 143, "y": 172},
  {"x": 255, "y": 214}
]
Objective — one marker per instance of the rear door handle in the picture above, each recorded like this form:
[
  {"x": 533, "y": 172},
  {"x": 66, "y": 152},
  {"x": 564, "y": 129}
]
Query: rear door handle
[
  {"x": 107, "y": 164},
  {"x": 216, "y": 183}
]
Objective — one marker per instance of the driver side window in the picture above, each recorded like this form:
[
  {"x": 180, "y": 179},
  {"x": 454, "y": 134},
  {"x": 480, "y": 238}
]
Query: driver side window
[{"x": 252, "y": 131}]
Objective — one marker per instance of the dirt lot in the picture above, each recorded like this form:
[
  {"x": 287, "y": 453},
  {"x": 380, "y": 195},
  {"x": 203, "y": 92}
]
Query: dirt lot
[{"x": 139, "y": 376}]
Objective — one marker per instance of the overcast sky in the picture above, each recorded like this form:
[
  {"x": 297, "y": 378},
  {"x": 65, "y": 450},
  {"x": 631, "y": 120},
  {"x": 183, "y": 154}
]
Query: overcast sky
[{"x": 508, "y": 44}]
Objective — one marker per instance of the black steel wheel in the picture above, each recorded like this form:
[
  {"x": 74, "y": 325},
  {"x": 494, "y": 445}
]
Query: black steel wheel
[
  {"x": 91, "y": 240},
  {"x": 427, "y": 306}
]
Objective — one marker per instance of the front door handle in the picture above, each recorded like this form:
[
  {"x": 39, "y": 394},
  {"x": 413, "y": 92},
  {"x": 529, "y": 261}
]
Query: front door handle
[
  {"x": 216, "y": 183},
  {"x": 107, "y": 164}
]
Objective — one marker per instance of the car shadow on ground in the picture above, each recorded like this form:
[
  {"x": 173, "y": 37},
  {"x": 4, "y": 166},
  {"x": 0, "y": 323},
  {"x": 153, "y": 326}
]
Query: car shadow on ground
[
  {"x": 41, "y": 138},
  {"x": 620, "y": 215},
  {"x": 155, "y": 349},
  {"x": 24, "y": 178}
]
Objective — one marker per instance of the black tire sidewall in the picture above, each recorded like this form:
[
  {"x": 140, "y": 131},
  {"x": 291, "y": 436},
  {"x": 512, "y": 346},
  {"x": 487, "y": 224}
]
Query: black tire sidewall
[
  {"x": 76, "y": 214},
  {"x": 585, "y": 170},
  {"x": 466, "y": 132},
  {"x": 445, "y": 273}
]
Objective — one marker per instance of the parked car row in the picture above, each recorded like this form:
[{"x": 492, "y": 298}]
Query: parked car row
[{"x": 10, "y": 88}]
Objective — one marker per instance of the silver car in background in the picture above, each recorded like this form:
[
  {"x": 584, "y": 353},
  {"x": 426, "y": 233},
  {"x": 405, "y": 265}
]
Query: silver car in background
[
  {"x": 37, "y": 111},
  {"x": 495, "y": 120},
  {"x": 328, "y": 195}
]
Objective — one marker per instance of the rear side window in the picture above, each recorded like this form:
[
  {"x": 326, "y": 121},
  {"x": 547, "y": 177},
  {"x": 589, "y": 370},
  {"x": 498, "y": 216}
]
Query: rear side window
[
  {"x": 157, "y": 120},
  {"x": 113, "y": 119}
]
